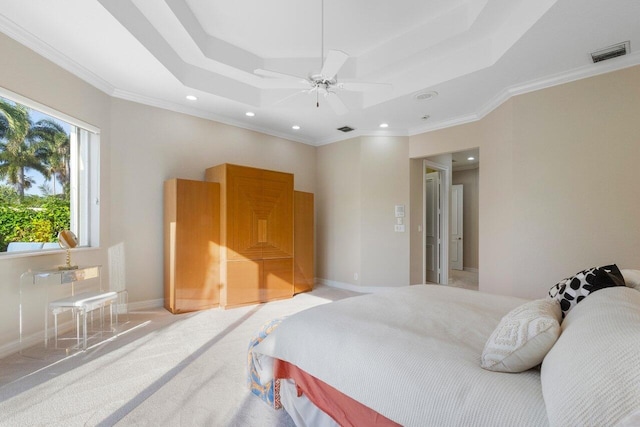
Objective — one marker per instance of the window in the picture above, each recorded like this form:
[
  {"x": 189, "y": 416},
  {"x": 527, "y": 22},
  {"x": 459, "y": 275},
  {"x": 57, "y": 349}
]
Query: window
[{"x": 49, "y": 176}]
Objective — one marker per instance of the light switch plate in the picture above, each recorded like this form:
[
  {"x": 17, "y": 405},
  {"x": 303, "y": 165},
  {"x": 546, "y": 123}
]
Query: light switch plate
[{"x": 399, "y": 228}]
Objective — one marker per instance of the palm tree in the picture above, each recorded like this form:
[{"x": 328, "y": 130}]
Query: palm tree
[
  {"x": 17, "y": 153},
  {"x": 53, "y": 148}
]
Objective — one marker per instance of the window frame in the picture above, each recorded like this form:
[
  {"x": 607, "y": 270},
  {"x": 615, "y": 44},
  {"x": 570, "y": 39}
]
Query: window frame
[{"x": 84, "y": 181}]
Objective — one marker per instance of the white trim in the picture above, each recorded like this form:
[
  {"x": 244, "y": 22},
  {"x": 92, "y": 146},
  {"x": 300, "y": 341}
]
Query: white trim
[
  {"x": 545, "y": 82},
  {"x": 471, "y": 269},
  {"x": 15, "y": 97},
  {"x": 466, "y": 167},
  {"x": 178, "y": 108},
  {"x": 356, "y": 133},
  {"x": 44, "y": 49},
  {"x": 33, "y": 339},
  {"x": 145, "y": 305},
  {"x": 14, "y": 346},
  {"x": 445, "y": 191},
  {"x": 42, "y": 252},
  {"x": 355, "y": 288}
]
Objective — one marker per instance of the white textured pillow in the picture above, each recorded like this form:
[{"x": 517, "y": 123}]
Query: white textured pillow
[
  {"x": 591, "y": 376},
  {"x": 523, "y": 337},
  {"x": 631, "y": 278}
]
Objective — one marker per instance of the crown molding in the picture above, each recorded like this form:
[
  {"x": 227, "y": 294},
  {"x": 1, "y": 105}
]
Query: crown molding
[
  {"x": 576, "y": 74},
  {"x": 465, "y": 167},
  {"x": 45, "y": 50},
  {"x": 360, "y": 133},
  {"x": 42, "y": 48},
  {"x": 175, "y": 107}
]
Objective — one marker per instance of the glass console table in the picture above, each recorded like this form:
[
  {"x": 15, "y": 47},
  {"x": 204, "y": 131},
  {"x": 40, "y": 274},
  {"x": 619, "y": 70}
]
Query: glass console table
[{"x": 64, "y": 299}]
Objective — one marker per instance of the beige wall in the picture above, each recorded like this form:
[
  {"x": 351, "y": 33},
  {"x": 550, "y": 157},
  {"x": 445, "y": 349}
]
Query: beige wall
[
  {"x": 28, "y": 74},
  {"x": 558, "y": 189},
  {"x": 157, "y": 145},
  {"x": 469, "y": 180},
  {"x": 415, "y": 229},
  {"x": 140, "y": 147},
  {"x": 359, "y": 182}
]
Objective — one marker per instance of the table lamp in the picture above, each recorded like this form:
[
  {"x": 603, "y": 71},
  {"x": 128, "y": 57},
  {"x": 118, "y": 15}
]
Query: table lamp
[{"x": 67, "y": 240}]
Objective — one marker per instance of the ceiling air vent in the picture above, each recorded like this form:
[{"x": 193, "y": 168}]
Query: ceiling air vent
[
  {"x": 345, "y": 129},
  {"x": 614, "y": 51}
]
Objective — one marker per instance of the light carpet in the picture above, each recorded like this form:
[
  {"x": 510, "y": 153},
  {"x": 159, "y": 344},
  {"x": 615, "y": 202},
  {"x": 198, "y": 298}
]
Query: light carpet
[{"x": 168, "y": 370}]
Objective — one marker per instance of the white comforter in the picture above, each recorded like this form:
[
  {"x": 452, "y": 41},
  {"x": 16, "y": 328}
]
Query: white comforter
[{"x": 413, "y": 355}]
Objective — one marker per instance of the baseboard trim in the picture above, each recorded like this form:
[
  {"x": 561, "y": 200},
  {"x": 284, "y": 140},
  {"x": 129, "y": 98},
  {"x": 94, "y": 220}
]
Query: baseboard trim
[
  {"x": 354, "y": 288},
  {"x": 33, "y": 339},
  {"x": 470, "y": 269},
  {"x": 14, "y": 346},
  {"x": 146, "y": 305}
]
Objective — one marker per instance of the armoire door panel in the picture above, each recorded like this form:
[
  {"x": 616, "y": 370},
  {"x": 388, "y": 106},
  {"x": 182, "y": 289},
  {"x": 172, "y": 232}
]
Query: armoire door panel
[
  {"x": 192, "y": 245},
  {"x": 257, "y": 232},
  {"x": 243, "y": 283},
  {"x": 242, "y": 232},
  {"x": 277, "y": 281},
  {"x": 253, "y": 281},
  {"x": 278, "y": 192},
  {"x": 260, "y": 212},
  {"x": 303, "y": 232}
]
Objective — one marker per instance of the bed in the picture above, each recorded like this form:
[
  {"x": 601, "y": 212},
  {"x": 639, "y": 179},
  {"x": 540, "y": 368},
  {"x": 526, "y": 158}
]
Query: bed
[{"x": 412, "y": 357}]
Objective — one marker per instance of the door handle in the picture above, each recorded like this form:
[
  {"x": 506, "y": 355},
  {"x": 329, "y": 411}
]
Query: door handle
[{"x": 459, "y": 238}]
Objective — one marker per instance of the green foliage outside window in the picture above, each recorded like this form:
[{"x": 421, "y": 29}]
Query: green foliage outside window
[
  {"x": 39, "y": 219},
  {"x": 26, "y": 146}
]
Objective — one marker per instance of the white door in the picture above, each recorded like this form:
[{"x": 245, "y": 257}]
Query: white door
[
  {"x": 457, "y": 236},
  {"x": 432, "y": 227}
]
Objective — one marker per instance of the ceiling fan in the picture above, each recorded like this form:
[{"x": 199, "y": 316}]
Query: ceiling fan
[{"x": 325, "y": 82}]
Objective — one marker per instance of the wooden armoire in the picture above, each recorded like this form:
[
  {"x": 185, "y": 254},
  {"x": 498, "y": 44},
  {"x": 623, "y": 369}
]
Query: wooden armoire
[
  {"x": 303, "y": 238},
  {"x": 256, "y": 234},
  {"x": 252, "y": 244},
  {"x": 191, "y": 239}
]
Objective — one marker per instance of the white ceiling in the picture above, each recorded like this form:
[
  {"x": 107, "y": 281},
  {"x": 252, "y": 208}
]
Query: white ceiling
[{"x": 474, "y": 53}]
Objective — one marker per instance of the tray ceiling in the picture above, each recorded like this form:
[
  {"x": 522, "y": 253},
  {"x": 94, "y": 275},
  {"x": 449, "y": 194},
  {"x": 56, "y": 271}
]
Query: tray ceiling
[{"x": 473, "y": 53}]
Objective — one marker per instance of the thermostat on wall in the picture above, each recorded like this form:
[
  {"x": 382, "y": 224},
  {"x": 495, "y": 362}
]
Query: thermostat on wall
[{"x": 399, "y": 211}]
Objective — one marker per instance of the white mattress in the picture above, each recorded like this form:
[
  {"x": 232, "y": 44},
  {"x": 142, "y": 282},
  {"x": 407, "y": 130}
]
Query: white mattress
[{"x": 413, "y": 355}]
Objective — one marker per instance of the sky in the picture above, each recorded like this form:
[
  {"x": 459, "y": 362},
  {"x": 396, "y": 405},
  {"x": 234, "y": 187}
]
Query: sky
[{"x": 35, "y": 175}]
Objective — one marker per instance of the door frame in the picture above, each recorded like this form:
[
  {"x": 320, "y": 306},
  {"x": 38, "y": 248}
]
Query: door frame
[
  {"x": 430, "y": 209},
  {"x": 445, "y": 189},
  {"x": 460, "y": 218}
]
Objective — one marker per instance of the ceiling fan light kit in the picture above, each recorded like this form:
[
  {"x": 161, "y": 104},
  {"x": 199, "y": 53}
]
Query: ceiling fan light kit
[{"x": 325, "y": 82}]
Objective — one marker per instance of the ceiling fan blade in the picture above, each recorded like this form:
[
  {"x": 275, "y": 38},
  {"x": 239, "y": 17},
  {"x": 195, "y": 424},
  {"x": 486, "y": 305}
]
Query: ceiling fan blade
[
  {"x": 276, "y": 75},
  {"x": 362, "y": 86},
  {"x": 288, "y": 97},
  {"x": 335, "y": 60},
  {"x": 336, "y": 103}
]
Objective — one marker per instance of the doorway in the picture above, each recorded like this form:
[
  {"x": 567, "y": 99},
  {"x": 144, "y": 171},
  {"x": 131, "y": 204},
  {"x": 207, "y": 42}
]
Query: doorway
[
  {"x": 436, "y": 183},
  {"x": 450, "y": 232},
  {"x": 432, "y": 231},
  {"x": 457, "y": 227}
]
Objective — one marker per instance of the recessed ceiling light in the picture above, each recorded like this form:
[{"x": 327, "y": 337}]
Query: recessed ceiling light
[
  {"x": 295, "y": 127},
  {"x": 249, "y": 114},
  {"x": 423, "y": 96},
  {"x": 192, "y": 98},
  {"x": 384, "y": 125},
  {"x": 471, "y": 158}
]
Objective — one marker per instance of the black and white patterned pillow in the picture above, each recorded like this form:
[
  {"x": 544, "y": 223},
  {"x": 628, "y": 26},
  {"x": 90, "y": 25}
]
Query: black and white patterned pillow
[{"x": 574, "y": 289}]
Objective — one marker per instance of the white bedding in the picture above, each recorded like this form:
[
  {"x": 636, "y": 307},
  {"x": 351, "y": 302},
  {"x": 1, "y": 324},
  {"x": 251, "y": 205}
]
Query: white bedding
[{"x": 413, "y": 355}]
